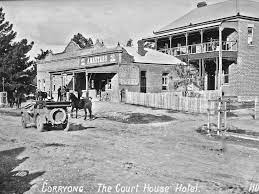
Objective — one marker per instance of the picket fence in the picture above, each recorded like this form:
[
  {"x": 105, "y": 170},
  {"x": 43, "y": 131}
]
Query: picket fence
[
  {"x": 209, "y": 94},
  {"x": 172, "y": 102}
]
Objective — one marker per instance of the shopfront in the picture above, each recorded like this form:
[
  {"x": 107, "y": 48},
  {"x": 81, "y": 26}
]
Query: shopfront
[{"x": 104, "y": 73}]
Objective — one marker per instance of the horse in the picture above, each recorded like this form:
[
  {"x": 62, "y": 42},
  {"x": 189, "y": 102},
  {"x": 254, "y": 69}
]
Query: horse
[
  {"x": 11, "y": 99},
  {"x": 17, "y": 99},
  {"x": 41, "y": 95},
  {"x": 77, "y": 103}
]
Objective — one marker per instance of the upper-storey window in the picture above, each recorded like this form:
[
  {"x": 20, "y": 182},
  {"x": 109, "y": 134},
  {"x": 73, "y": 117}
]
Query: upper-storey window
[{"x": 250, "y": 34}]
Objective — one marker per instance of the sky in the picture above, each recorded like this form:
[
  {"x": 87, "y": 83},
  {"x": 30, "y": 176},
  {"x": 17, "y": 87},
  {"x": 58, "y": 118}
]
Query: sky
[{"x": 52, "y": 23}]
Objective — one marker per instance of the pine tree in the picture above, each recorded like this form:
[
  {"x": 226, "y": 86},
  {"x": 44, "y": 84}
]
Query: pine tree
[
  {"x": 13, "y": 57},
  {"x": 42, "y": 54}
]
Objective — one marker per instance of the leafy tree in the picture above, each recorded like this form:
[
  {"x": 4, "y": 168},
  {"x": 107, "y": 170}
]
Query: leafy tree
[
  {"x": 82, "y": 41},
  {"x": 186, "y": 75},
  {"x": 13, "y": 57},
  {"x": 129, "y": 43}
]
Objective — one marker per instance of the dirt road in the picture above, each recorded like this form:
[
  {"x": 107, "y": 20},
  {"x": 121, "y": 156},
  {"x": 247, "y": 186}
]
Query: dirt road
[{"x": 127, "y": 149}]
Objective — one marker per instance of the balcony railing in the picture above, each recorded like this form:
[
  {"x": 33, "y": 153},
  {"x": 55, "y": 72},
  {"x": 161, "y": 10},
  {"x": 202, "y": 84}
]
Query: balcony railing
[{"x": 201, "y": 48}]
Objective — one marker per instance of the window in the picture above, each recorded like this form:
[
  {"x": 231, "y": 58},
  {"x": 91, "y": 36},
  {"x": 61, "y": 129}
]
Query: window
[
  {"x": 44, "y": 84},
  {"x": 39, "y": 87},
  {"x": 226, "y": 75},
  {"x": 250, "y": 34},
  {"x": 165, "y": 81},
  {"x": 54, "y": 87}
]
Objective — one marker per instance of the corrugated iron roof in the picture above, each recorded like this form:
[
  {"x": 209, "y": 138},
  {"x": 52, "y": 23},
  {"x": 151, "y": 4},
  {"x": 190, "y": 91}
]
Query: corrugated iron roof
[
  {"x": 153, "y": 57},
  {"x": 215, "y": 12}
]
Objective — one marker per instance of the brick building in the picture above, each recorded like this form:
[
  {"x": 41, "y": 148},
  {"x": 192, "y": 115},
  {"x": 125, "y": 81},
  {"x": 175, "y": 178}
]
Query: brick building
[
  {"x": 222, "y": 37},
  {"x": 106, "y": 70}
]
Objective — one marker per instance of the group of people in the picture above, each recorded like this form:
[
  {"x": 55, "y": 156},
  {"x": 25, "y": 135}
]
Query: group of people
[
  {"x": 15, "y": 98},
  {"x": 62, "y": 93}
]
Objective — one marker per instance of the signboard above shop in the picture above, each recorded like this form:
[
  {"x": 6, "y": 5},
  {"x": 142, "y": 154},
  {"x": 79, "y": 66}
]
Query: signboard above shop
[
  {"x": 128, "y": 75},
  {"x": 100, "y": 59}
]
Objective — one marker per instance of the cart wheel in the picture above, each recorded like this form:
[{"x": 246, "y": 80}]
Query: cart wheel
[
  {"x": 24, "y": 125},
  {"x": 39, "y": 124},
  {"x": 66, "y": 127}
]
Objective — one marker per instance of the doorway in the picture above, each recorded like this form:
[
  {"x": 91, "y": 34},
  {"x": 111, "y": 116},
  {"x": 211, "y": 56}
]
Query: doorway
[
  {"x": 143, "y": 82},
  {"x": 210, "y": 68}
]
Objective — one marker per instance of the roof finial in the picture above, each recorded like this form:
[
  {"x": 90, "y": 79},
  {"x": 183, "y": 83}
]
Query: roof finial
[{"x": 237, "y": 7}]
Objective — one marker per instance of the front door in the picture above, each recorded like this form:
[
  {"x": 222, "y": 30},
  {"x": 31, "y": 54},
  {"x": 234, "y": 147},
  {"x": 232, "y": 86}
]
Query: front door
[
  {"x": 211, "y": 81},
  {"x": 143, "y": 87}
]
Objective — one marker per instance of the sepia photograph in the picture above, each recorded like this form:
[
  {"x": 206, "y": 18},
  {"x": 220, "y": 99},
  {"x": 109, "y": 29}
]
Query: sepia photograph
[{"x": 129, "y": 96}]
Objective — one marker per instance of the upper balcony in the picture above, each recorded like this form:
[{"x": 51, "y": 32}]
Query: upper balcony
[
  {"x": 200, "y": 48},
  {"x": 198, "y": 44}
]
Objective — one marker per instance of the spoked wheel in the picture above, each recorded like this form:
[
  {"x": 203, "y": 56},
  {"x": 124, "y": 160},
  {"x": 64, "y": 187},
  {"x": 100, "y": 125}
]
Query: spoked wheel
[
  {"x": 24, "y": 125},
  {"x": 39, "y": 124}
]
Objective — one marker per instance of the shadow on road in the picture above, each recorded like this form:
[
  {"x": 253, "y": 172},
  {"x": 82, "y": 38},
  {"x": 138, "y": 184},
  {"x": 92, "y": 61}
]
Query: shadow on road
[
  {"x": 78, "y": 127},
  {"x": 136, "y": 118},
  {"x": 14, "y": 181},
  {"x": 11, "y": 112}
]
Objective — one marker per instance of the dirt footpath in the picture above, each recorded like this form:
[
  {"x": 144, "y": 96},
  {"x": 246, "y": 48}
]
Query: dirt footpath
[{"x": 126, "y": 149}]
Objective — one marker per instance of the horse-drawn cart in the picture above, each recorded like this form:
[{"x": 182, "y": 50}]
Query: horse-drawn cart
[{"x": 46, "y": 113}]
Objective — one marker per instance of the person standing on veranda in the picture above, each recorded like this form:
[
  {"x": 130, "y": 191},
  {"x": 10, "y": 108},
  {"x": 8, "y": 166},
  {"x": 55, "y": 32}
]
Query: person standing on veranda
[{"x": 59, "y": 93}]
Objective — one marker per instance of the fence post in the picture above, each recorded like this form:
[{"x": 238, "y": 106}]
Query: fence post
[
  {"x": 208, "y": 124},
  {"x": 225, "y": 115},
  {"x": 256, "y": 108},
  {"x": 219, "y": 115},
  {"x": 201, "y": 105}
]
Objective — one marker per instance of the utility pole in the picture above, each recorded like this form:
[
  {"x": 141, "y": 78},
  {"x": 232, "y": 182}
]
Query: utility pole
[{"x": 220, "y": 61}]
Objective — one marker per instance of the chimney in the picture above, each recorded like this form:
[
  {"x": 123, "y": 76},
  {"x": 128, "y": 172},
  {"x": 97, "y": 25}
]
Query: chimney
[
  {"x": 141, "y": 50},
  {"x": 201, "y": 4}
]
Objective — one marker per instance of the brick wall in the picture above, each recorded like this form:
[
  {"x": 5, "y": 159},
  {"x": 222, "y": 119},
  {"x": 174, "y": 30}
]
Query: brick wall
[
  {"x": 244, "y": 76},
  {"x": 153, "y": 78}
]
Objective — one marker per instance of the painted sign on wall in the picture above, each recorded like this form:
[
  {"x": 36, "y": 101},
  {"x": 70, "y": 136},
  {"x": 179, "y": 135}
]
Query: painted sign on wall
[
  {"x": 109, "y": 58},
  {"x": 128, "y": 75}
]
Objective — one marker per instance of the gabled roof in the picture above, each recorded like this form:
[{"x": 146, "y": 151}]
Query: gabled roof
[
  {"x": 152, "y": 57},
  {"x": 72, "y": 46},
  {"x": 215, "y": 12}
]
